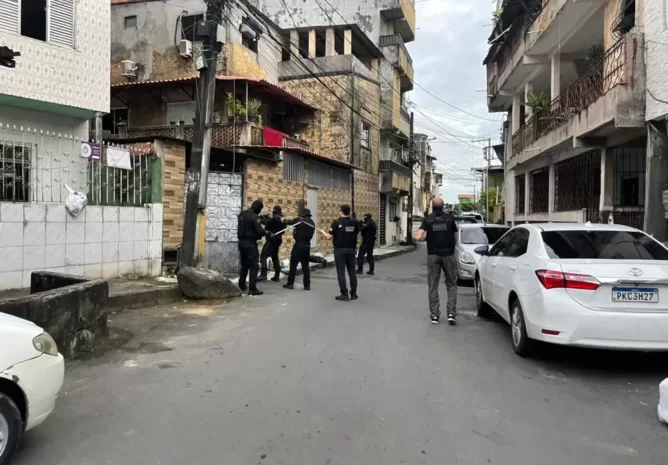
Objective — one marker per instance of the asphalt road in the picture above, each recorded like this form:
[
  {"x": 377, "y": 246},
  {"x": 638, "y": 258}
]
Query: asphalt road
[{"x": 298, "y": 378}]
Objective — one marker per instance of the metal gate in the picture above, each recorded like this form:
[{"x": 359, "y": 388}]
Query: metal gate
[
  {"x": 312, "y": 204},
  {"x": 223, "y": 206},
  {"x": 382, "y": 221}
]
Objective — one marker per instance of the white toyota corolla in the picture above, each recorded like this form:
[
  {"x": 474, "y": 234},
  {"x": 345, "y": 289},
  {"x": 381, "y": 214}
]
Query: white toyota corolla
[
  {"x": 31, "y": 375},
  {"x": 588, "y": 285}
]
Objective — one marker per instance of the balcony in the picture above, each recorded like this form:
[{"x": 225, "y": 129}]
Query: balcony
[
  {"x": 601, "y": 101},
  {"x": 393, "y": 178},
  {"x": 402, "y": 12},
  {"x": 223, "y": 136},
  {"x": 396, "y": 53}
]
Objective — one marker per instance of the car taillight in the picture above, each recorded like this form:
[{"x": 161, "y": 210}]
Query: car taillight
[{"x": 556, "y": 279}]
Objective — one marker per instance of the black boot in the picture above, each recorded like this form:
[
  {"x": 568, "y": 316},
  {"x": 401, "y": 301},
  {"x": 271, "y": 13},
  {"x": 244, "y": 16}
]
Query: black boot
[
  {"x": 353, "y": 296},
  {"x": 242, "y": 286},
  {"x": 370, "y": 272},
  {"x": 255, "y": 292},
  {"x": 360, "y": 271},
  {"x": 276, "y": 278},
  {"x": 262, "y": 276},
  {"x": 288, "y": 286},
  {"x": 343, "y": 297}
]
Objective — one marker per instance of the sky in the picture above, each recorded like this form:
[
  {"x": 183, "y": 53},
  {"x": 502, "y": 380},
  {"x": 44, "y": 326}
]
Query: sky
[{"x": 450, "y": 45}]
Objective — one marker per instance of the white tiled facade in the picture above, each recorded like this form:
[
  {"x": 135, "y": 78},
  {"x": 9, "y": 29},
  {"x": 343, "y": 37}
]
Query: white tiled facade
[
  {"x": 75, "y": 76},
  {"x": 102, "y": 242}
]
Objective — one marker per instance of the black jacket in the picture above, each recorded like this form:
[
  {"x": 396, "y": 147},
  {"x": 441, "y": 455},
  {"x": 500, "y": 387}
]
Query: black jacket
[
  {"x": 273, "y": 224},
  {"x": 368, "y": 229},
  {"x": 250, "y": 226},
  {"x": 303, "y": 233},
  {"x": 344, "y": 233}
]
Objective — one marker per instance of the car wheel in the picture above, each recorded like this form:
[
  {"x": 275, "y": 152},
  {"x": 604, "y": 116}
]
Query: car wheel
[
  {"x": 484, "y": 310},
  {"x": 522, "y": 345},
  {"x": 11, "y": 428}
]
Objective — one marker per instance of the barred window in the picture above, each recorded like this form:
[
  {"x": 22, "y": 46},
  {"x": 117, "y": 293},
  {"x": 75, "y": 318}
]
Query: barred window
[
  {"x": 365, "y": 135},
  {"x": 331, "y": 177},
  {"x": 15, "y": 161},
  {"x": 293, "y": 168}
]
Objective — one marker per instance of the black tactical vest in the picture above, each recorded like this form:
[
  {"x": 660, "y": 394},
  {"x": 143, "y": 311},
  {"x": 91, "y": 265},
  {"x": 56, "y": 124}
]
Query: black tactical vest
[
  {"x": 440, "y": 234},
  {"x": 345, "y": 234}
]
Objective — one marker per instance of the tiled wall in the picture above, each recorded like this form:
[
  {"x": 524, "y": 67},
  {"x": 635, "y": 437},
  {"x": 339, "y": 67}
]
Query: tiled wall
[{"x": 102, "y": 242}]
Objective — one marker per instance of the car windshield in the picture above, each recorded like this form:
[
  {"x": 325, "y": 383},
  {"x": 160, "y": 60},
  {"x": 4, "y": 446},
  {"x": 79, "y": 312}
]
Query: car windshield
[
  {"x": 465, "y": 219},
  {"x": 603, "y": 245},
  {"x": 482, "y": 236}
]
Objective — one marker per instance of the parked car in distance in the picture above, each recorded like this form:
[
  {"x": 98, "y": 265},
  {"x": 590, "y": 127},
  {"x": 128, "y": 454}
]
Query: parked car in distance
[
  {"x": 477, "y": 216},
  {"x": 464, "y": 220},
  {"x": 31, "y": 375},
  {"x": 587, "y": 285},
  {"x": 472, "y": 236}
]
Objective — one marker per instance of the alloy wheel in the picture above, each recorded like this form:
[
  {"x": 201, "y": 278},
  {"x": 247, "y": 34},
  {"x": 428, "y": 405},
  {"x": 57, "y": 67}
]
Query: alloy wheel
[
  {"x": 516, "y": 327},
  {"x": 4, "y": 434}
]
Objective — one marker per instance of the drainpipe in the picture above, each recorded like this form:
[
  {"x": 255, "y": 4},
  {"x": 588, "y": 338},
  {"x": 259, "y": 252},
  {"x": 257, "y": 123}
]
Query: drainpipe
[{"x": 352, "y": 133}]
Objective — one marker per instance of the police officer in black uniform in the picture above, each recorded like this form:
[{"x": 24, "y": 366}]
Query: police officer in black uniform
[
  {"x": 368, "y": 229},
  {"x": 249, "y": 232},
  {"x": 442, "y": 234},
  {"x": 273, "y": 223},
  {"x": 301, "y": 250},
  {"x": 344, "y": 234}
]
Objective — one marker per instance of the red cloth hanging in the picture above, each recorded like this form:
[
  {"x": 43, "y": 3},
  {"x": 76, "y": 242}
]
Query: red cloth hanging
[{"x": 272, "y": 137}]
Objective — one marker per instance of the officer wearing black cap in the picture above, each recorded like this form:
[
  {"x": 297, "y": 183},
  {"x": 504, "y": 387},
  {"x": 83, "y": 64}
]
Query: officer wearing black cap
[
  {"x": 249, "y": 232},
  {"x": 301, "y": 250},
  {"x": 273, "y": 223},
  {"x": 344, "y": 234},
  {"x": 368, "y": 229}
]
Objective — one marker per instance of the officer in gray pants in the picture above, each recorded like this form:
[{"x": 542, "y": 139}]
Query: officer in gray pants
[{"x": 441, "y": 233}]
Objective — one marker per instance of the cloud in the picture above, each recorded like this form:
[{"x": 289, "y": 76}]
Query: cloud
[{"x": 449, "y": 47}]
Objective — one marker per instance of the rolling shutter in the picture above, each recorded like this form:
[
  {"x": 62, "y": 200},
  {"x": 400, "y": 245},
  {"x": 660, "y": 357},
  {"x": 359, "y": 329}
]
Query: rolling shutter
[
  {"x": 61, "y": 22},
  {"x": 9, "y": 16}
]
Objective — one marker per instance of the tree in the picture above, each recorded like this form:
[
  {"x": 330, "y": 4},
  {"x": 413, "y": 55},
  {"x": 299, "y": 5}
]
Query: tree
[
  {"x": 494, "y": 197},
  {"x": 467, "y": 205}
]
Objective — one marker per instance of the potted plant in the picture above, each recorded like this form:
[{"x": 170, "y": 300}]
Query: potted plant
[
  {"x": 254, "y": 110},
  {"x": 539, "y": 103}
]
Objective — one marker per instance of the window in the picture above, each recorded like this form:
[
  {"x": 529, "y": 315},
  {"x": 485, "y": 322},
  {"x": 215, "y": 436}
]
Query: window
[
  {"x": 15, "y": 161},
  {"x": 188, "y": 24},
  {"x": 293, "y": 168},
  {"x": 323, "y": 175},
  {"x": 130, "y": 22},
  {"x": 249, "y": 43},
  {"x": 501, "y": 246},
  {"x": 603, "y": 245},
  {"x": 303, "y": 44},
  {"x": 519, "y": 245},
  {"x": 180, "y": 113},
  {"x": 51, "y": 22},
  {"x": 34, "y": 19},
  {"x": 115, "y": 121},
  {"x": 320, "y": 43},
  {"x": 482, "y": 236},
  {"x": 393, "y": 210},
  {"x": 365, "y": 135}
]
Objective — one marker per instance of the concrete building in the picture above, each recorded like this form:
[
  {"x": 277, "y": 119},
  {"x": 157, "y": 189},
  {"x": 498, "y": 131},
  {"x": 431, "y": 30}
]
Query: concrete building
[
  {"x": 571, "y": 75},
  {"x": 340, "y": 40},
  {"x": 59, "y": 84},
  {"x": 274, "y": 138},
  {"x": 656, "y": 114}
]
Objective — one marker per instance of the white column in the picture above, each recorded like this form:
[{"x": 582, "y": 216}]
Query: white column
[
  {"x": 311, "y": 43},
  {"x": 555, "y": 76},
  {"x": 528, "y": 89},
  {"x": 294, "y": 43},
  {"x": 348, "y": 42},
  {"x": 551, "y": 191},
  {"x": 517, "y": 102},
  {"x": 330, "y": 48},
  {"x": 527, "y": 192},
  {"x": 606, "y": 200}
]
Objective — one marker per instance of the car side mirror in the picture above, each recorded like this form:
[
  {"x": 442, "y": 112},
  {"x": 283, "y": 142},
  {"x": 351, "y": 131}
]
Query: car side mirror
[{"x": 482, "y": 250}]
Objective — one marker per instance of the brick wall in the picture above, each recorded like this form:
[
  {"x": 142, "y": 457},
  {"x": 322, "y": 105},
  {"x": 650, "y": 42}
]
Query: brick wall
[
  {"x": 264, "y": 181},
  {"x": 174, "y": 156}
]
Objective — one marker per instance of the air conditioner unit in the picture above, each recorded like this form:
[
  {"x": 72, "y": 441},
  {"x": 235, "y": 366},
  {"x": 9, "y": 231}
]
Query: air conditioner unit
[
  {"x": 186, "y": 48},
  {"x": 129, "y": 69}
]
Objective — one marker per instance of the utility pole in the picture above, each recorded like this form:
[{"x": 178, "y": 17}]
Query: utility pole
[
  {"x": 488, "y": 157},
  {"x": 411, "y": 161},
  {"x": 207, "y": 31}
]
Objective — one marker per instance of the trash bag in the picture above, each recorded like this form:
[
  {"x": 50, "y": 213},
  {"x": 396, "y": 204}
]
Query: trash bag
[
  {"x": 318, "y": 259},
  {"x": 75, "y": 201},
  {"x": 663, "y": 401}
]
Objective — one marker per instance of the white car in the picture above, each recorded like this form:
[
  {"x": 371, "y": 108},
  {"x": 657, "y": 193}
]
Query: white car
[
  {"x": 588, "y": 285},
  {"x": 31, "y": 375}
]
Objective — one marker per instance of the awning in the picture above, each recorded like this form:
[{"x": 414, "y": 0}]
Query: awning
[{"x": 260, "y": 85}]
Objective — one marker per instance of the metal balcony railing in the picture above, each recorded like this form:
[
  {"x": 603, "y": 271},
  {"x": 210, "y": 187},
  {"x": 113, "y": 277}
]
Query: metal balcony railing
[{"x": 602, "y": 77}]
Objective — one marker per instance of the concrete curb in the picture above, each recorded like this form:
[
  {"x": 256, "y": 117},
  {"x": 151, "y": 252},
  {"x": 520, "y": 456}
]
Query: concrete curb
[
  {"x": 129, "y": 300},
  {"x": 395, "y": 253}
]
